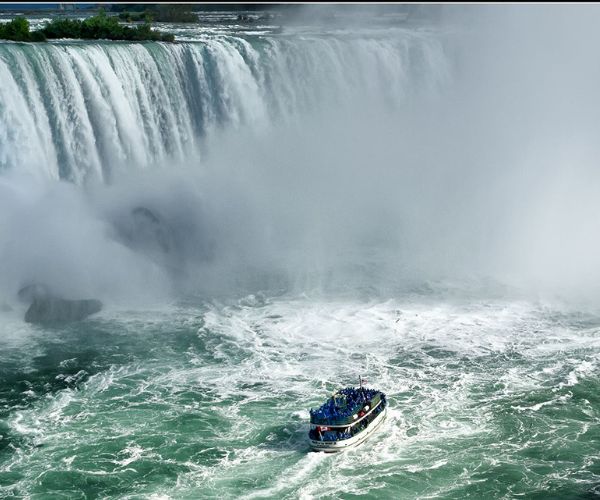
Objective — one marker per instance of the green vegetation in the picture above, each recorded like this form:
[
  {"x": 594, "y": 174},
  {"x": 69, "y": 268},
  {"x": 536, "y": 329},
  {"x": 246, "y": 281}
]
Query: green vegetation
[
  {"x": 101, "y": 27},
  {"x": 18, "y": 30},
  {"x": 92, "y": 28}
]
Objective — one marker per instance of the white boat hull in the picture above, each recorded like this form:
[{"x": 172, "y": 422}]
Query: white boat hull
[{"x": 345, "y": 444}]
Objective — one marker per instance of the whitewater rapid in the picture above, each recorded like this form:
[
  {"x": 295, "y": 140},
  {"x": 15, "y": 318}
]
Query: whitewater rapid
[{"x": 485, "y": 398}]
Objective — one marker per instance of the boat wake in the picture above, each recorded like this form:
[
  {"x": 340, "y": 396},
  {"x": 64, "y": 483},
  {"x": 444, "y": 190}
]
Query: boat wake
[{"x": 474, "y": 390}]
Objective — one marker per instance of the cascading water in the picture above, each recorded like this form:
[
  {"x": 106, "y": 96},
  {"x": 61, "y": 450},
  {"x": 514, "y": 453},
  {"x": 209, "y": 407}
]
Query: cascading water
[
  {"x": 267, "y": 216},
  {"x": 96, "y": 114},
  {"x": 79, "y": 111}
]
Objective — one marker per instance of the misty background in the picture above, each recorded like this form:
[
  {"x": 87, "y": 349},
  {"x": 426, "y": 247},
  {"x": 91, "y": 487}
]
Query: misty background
[{"x": 460, "y": 149}]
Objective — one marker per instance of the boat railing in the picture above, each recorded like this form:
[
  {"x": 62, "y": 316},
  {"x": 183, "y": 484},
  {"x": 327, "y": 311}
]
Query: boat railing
[
  {"x": 352, "y": 424},
  {"x": 339, "y": 409}
]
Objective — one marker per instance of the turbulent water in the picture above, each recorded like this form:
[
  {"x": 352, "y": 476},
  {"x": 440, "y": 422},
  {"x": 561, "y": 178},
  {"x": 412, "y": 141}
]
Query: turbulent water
[
  {"x": 487, "y": 398},
  {"x": 268, "y": 214}
]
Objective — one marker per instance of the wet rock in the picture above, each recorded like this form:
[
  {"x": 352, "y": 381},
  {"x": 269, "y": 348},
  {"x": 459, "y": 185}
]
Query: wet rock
[
  {"x": 47, "y": 309},
  {"x": 145, "y": 230}
]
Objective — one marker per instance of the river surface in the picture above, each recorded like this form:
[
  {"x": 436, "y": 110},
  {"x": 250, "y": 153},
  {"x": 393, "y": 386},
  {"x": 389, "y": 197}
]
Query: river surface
[
  {"x": 487, "y": 398},
  {"x": 270, "y": 210}
]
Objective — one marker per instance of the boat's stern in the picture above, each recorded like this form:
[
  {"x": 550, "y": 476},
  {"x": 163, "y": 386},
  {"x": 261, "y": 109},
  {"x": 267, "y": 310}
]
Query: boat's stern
[
  {"x": 328, "y": 446},
  {"x": 334, "y": 446}
]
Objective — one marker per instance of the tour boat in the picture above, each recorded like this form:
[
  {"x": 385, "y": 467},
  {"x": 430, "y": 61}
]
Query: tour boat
[{"x": 347, "y": 419}]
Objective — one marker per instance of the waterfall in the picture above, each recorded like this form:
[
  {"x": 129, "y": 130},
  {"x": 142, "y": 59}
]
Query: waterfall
[
  {"x": 79, "y": 111},
  {"x": 134, "y": 167}
]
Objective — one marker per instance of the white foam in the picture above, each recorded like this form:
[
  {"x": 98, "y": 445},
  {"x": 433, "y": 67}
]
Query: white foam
[{"x": 444, "y": 368}]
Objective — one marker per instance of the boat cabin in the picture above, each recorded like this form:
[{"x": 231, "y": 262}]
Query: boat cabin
[{"x": 347, "y": 413}]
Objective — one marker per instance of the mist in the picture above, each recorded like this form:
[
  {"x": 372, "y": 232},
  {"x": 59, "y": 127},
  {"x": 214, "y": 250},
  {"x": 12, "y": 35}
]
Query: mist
[{"x": 468, "y": 154}]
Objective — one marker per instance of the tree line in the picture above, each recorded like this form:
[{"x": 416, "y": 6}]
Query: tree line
[{"x": 97, "y": 27}]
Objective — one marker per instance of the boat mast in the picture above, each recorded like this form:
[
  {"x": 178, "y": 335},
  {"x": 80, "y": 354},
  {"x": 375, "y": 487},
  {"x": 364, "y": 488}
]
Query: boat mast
[{"x": 360, "y": 383}]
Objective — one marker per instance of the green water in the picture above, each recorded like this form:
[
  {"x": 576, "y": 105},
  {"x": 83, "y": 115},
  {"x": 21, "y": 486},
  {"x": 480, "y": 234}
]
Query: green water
[{"x": 494, "y": 399}]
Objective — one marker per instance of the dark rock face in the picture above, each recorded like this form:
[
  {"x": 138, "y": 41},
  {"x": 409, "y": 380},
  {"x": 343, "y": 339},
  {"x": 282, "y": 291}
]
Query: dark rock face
[
  {"x": 48, "y": 309},
  {"x": 172, "y": 236},
  {"x": 145, "y": 231}
]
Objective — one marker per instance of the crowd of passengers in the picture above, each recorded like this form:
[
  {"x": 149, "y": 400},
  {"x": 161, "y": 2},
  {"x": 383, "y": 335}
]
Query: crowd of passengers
[
  {"x": 339, "y": 435},
  {"x": 340, "y": 407}
]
